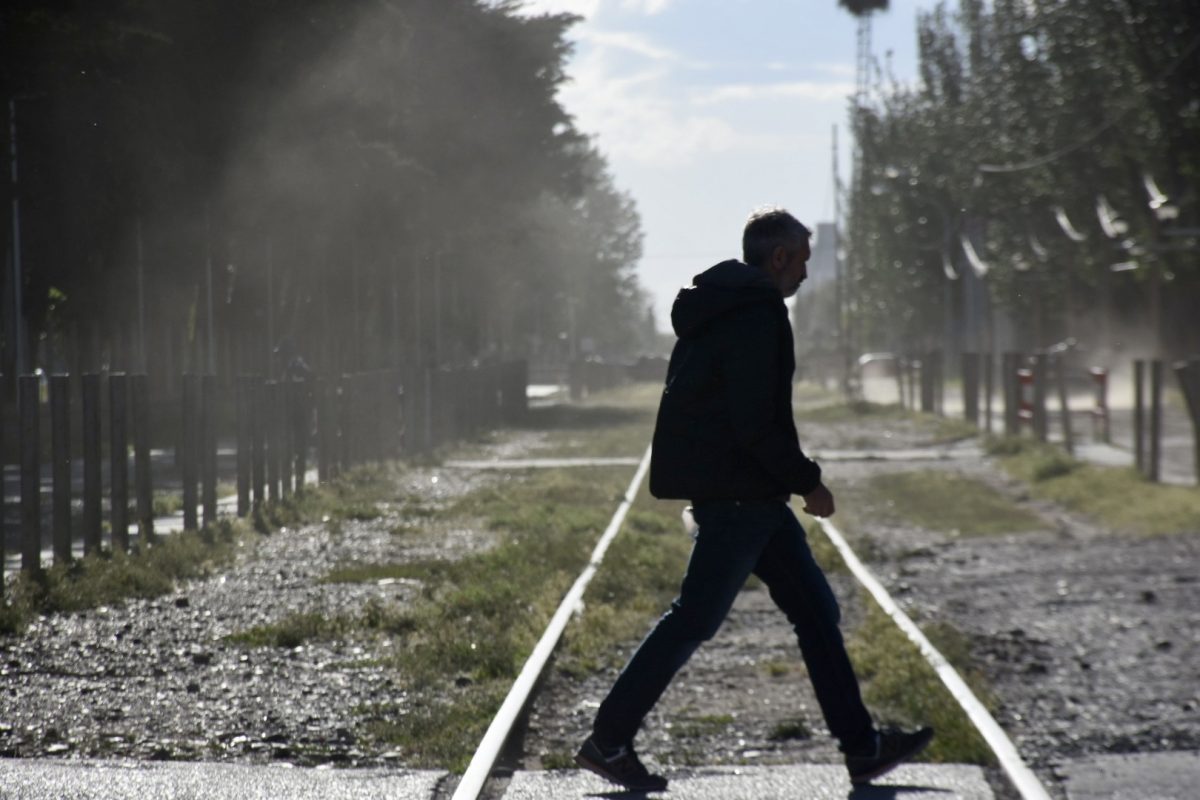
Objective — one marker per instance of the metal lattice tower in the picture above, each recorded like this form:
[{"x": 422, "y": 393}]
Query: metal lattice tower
[{"x": 862, "y": 64}]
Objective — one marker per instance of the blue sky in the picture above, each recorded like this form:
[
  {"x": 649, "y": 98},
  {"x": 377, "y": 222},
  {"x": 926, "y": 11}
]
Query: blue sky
[{"x": 708, "y": 108}]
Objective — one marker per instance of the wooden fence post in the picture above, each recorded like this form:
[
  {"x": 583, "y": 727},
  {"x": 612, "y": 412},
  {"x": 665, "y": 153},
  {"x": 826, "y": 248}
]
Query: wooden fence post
[
  {"x": 92, "y": 488},
  {"x": 302, "y": 410},
  {"x": 189, "y": 450},
  {"x": 1010, "y": 388},
  {"x": 989, "y": 374},
  {"x": 242, "y": 404},
  {"x": 1040, "y": 428},
  {"x": 1060, "y": 370},
  {"x": 271, "y": 429},
  {"x": 926, "y": 384},
  {"x": 3, "y": 503},
  {"x": 1156, "y": 385},
  {"x": 939, "y": 383},
  {"x": 60, "y": 439},
  {"x": 282, "y": 417},
  {"x": 31, "y": 473},
  {"x": 208, "y": 444},
  {"x": 345, "y": 401},
  {"x": 427, "y": 441},
  {"x": 139, "y": 390},
  {"x": 118, "y": 462},
  {"x": 1189, "y": 380},
  {"x": 970, "y": 387},
  {"x": 324, "y": 430},
  {"x": 1139, "y": 415},
  {"x": 258, "y": 417}
]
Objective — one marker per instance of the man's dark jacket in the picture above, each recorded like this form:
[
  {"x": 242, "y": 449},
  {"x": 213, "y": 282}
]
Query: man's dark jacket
[{"x": 725, "y": 428}]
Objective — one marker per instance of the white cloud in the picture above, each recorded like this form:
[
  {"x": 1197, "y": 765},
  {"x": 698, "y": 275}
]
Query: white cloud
[
  {"x": 803, "y": 90},
  {"x": 645, "y": 6},
  {"x": 588, "y": 8},
  {"x": 584, "y": 8},
  {"x": 630, "y": 42},
  {"x": 643, "y": 117},
  {"x": 837, "y": 69}
]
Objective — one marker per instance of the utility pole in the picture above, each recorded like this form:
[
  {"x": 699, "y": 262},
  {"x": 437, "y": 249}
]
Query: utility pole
[
  {"x": 141, "y": 280},
  {"x": 839, "y": 273},
  {"x": 270, "y": 311},
  {"x": 212, "y": 348},
  {"x": 17, "y": 282},
  {"x": 862, "y": 11}
]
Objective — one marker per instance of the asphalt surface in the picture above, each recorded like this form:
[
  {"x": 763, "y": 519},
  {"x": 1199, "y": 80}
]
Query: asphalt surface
[
  {"x": 821, "y": 782},
  {"x": 45, "y": 779}
]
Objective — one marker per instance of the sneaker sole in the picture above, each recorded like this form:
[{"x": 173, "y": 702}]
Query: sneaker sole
[
  {"x": 879, "y": 772},
  {"x": 592, "y": 766}
]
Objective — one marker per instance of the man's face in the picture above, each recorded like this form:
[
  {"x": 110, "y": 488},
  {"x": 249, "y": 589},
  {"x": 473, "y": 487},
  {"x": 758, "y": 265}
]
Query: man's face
[{"x": 789, "y": 267}]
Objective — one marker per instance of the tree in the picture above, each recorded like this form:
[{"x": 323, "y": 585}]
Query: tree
[
  {"x": 393, "y": 166},
  {"x": 1026, "y": 116}
]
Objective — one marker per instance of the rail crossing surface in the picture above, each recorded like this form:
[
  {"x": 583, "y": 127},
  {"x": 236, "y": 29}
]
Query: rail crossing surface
[
  {"x": 1152, "y": 776},
  {"x": 44, "y": 779}
]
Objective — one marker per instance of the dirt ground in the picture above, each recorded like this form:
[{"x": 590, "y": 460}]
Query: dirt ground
[{"x": 1086, "y": 637}]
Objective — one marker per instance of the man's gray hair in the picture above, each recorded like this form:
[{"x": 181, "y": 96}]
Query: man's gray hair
[{"x": 767, "y": 228}]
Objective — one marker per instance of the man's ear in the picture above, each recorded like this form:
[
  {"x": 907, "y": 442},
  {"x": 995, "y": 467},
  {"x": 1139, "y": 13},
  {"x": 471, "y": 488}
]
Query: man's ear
[{"x": 779, "y": 258}]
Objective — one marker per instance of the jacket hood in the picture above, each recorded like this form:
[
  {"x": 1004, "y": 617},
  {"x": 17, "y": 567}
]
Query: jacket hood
[{"x": 717, "y": 291}]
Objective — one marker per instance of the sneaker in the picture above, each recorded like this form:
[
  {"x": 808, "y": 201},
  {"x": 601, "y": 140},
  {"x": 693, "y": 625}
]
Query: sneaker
[
  {"x": 619, "y": 765},
  {"x": 891, "y": 748}
]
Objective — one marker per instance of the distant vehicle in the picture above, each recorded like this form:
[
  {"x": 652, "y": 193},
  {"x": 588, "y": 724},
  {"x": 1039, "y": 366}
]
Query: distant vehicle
[{"x": 878, "y": 365}]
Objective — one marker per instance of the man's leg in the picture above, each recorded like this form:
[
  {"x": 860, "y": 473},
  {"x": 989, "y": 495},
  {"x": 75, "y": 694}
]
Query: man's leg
[
  {"x": 799, "y": 588},
  {"x": 729, "y": 540}
]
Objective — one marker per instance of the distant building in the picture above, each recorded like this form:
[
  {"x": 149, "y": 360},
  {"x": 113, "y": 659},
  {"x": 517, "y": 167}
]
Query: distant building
[
  {"x": 815, "y": 311},
  {"x": 822, "y": 267}
]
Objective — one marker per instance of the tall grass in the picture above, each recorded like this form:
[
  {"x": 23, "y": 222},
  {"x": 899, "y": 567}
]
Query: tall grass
[{"x": 1118, "y": 498}]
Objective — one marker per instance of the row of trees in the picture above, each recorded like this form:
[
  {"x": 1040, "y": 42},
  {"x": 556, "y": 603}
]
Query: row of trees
[
  {"x": 372, "y": 182},
  {"x": 1039, "y": 181}
]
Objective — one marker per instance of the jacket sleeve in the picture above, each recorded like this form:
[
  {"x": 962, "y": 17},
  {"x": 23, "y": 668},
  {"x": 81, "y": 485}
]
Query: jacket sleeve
[{"x": 749, "y": 360}]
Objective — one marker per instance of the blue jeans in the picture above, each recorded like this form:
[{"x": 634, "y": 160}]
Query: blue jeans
[{"x": 732, "y": 541}]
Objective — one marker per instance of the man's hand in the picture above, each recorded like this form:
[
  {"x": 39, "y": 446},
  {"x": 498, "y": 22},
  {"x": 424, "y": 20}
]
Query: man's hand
[{"x": 819, "y": 502}]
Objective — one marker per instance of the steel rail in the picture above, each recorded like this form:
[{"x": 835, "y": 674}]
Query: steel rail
[
  {"x": 1022, "y": 777},
  {"x": 497, "y": 733},
  {"x": 484, "y": 759}
]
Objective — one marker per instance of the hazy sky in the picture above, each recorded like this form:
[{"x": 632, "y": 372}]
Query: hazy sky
[{"x": 708, "y": 108}]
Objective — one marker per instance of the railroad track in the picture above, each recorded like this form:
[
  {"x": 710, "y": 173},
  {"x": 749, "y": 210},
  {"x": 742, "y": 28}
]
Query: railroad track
[{"x": 478, "y": 773}]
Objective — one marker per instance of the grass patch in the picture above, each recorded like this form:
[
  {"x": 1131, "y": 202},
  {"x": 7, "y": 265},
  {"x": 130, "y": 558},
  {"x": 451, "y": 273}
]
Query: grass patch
[
  {"x": 478, "y": 618},
  {"x": 292, "y": 631},
  {"x": 936, "y": 429},
  {"x": 107, "y": 578},
  {"x": 700, "y": 727},
  {"x": 777, "y": 669},
  {"x": 355, "y": 495},
  {"x": 943, "y": 501},
  {"x": 790, "y": 729},
  {"x": 302, "y": 627},
  {"x": 1118, "y": 498},
  {"x": 635, "y": 584},
  {"x": 901, "y": 687},
  {"x": 609, "y": 423},
  {"x": 164, "y": 503}
]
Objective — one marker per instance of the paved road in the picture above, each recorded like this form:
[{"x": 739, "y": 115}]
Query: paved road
[{"x": 45, "y": 779}]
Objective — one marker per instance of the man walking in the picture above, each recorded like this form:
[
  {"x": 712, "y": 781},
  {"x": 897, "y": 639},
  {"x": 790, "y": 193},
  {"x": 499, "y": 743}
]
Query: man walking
[{"x": 725, "y": 440}]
